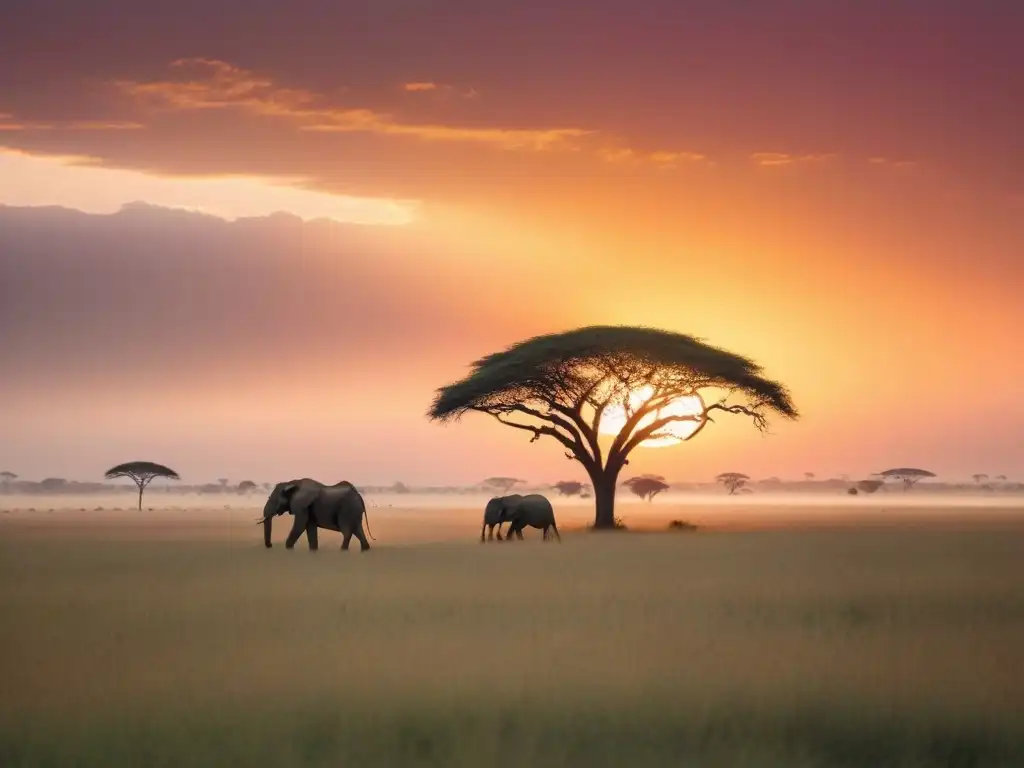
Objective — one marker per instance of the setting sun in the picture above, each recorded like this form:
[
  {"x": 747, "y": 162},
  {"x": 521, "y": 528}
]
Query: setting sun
[{"x": 614, "y": 418}]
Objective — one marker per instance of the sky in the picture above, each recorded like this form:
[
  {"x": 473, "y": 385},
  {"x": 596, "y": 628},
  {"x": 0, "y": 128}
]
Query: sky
[{"x": 250, "y": 239}]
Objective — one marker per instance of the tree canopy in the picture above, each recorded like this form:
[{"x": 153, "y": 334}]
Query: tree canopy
[
  {"x": 909, "y": 475},
  {"x": 733, "y": 481},
  {"x": 568, "y": 487},
  {"x": 560, "y": 385},
  {"x": 647, "y": 486},
  {"x": 142, "y": 473}
]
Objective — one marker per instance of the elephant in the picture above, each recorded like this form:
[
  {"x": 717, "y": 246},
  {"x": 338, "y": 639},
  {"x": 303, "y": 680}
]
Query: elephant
[
  {"x": 532, "y": 510},
  {"x": 338, "y": 507},
  {"x": 494, "y": 514}
]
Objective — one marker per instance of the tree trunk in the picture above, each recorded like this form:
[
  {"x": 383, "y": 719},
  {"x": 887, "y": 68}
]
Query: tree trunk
[
  {"x": 140, "y": 498},
  {"x": 604, "y": 498}
]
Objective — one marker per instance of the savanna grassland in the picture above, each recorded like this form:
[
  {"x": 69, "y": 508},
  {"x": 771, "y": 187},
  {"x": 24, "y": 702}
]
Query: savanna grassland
[{"x": 148, "y": 644}]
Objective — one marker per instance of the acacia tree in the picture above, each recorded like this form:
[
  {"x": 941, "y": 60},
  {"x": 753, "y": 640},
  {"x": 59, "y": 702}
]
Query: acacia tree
[
  {"x": 142, "y": 473},
  {"x": 808, "y": 476},
  {"x": 568, "y": 487},
  {"x": 501, "y": 484},
  {"x": 559, "y": 386},
  {"x": 909, "y": 475},
  {"x": 647, "y": 486},
  {"x": 732, "y": 480},
  {"x": 869, "y": 486},
  {"x": 6, "y": 478},
  {"x": 246, "y": 486},
  {"x": 978, "y": 478}
]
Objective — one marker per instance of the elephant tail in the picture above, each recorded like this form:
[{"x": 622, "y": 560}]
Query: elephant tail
[{"x": 366, "y": 517}]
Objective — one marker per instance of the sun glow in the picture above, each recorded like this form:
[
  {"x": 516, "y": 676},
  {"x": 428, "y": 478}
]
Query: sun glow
[{"x": 614, "y": 419}]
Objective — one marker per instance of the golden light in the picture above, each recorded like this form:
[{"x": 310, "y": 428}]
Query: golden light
[{"x": 614, "y": 419}]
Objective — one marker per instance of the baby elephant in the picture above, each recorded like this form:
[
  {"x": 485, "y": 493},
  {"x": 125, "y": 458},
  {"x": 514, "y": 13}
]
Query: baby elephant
[{"x": 518, "y": 511}]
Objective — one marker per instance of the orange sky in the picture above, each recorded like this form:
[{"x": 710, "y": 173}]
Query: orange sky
[{"x": 838, "y": 194}]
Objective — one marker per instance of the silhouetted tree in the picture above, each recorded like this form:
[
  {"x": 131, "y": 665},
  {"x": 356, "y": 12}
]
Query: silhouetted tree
[
  {"x": 732, "y": 480},
  {"x": 560, "y": 385},
  {"x": 808, "y": 476},
  {"x": 142, "y": 473},
  {"x": 979, "y": 478},
  {"x": 909, "y": 475},
  {"x": 53, "y": 484},
  {"x": 6, "y": 478},
  {"x": 399, "y": 487},
  {"x": 246, "y": 486},
  {"x": 568, "y": 487},
  {"x": 647, "y": 486},
  {"x": 501, "y": 484},
  {"x": 869, "y": 486},
  {"x": 223, "y": 482}
]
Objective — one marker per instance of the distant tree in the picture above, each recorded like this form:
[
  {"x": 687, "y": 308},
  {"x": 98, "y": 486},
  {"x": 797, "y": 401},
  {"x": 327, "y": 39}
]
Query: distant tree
[
  {"x": 979, "y": 478},
  {"x": 909, "y": 475},
  {"x": 869, "y": 486},
  {"x": 142, "y": 473},
  {"x": 53, "y": 484},
  {"x": 844, "y": 477},
  {"x": 268, "y": 487},
  {"x": 223, "y": 482},
  {"x": 654, "y": 382},
  {"x": 501, "y": 484},
  {"x": 6, "y": 478},
  {"x": 1001, "y": 478},
  {"x": 399, "y": 487},
  {"x": 246, "y": 486},
  {"x": 568, "y": 487},
  {"x": 647, "y": 486},
  {"x": 772, "y": 481},
  {"x": 808, "y": 476},
  {"x": 732, "y": 480}
]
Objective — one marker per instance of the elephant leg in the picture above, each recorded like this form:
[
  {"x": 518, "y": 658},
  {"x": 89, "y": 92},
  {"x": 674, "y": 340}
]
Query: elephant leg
[
  {"x": 346, "y": 533},
  {"x": 312, "y": 537},
  {"x": 555, "y": 529},
  {"x": 499, "y": 529},
  {"x": 519, "y": 531},
  {"x": 298, "y": 527},
  {"x": 544, "y": 533},
  {"x": 363, "y": 543}
]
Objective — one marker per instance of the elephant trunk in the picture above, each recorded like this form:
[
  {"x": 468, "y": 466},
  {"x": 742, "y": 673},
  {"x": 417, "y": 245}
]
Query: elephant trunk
[{"x": 267, "y": 528}]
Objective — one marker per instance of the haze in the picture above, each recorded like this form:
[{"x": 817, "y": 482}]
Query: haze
[{"x": 836, "y": 193}]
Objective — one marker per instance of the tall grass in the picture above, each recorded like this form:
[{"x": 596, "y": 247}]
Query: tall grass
[{"x": 879, "y": 648}]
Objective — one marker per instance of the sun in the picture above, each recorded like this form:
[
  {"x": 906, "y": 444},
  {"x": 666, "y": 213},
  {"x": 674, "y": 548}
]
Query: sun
[{"x": 614, "y": 419}]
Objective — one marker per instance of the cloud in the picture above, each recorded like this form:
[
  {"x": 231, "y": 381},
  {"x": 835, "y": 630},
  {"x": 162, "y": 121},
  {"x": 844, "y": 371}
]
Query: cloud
[
  {"x": 783, "y": 159},
  {"x": 417, "y": 87},
  {"x": 84, "y": 184},
  {"x": 9, "y": 122},
  {"x": 668, "y": 160},
  {"x": 441, "y": 89},
  {"x": 221, "y": 85}
]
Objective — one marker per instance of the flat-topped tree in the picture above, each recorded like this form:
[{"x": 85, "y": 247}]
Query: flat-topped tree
[
  {"x": 142, "y": 473},
  {"x": 647, "y": 486},
  {"x": 501, "y": 484},
  {"x": 6, "y": 478},
  {"x": 649, "y": 383},
  {"x": 909, "y": 475},
  {"x": 733, "y": 481},
  {"x": 568, "y": 487}
]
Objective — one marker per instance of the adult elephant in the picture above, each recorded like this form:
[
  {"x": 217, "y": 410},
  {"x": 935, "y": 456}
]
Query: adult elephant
[
  {"x": 518, "y": 511},
  {"x": 497, "y": 513},
  {"x": 338, "y": 507}
]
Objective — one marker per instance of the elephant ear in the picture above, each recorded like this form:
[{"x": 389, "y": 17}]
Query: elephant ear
[{"x": 287, "y": 489}]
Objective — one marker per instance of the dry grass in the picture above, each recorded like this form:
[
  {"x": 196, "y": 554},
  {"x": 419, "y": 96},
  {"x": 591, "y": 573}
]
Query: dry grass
[{"x": 796, "y": 648}]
